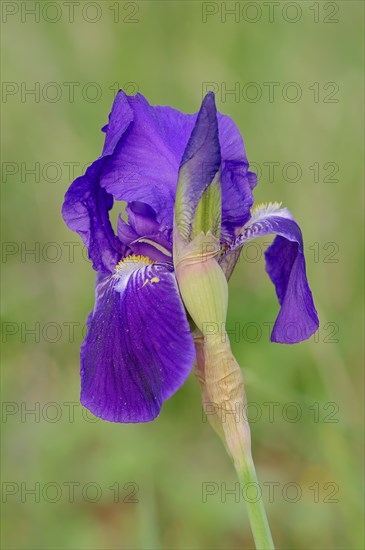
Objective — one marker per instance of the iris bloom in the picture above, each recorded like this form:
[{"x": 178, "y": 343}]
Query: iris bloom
[{"x": 162, "y": 279}]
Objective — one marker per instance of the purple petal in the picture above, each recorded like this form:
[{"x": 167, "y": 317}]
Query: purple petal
[
  {"x": 285, "y": 264},
  {"x": 297, "y": 319},
  {"x": 143, "y": 149},
  {"x": 237, "y": 181},
  {"x": 142, "y": 218},
  {"x": 87, "y": 204},
  {"x": 138, "y": 350},
  {"x": 145, "y": 163},
  {"x": 119, "y": 120},
  {"x": 86, "y": 210},
  {"x": 142, "y": 233},
  {"x": 237, "y": 198}
]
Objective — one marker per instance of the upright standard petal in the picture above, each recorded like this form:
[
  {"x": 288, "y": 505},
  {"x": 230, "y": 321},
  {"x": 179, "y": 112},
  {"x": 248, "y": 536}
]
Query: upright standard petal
[
  {"x": 138, "y": 350},
  {"x": 146, "y": 161},
  {"x": 120, "y": 118},
  {"x": 141, "y": 157},
  {"x": 285, "y": 264},
  {"x": 237, "y": 181}
]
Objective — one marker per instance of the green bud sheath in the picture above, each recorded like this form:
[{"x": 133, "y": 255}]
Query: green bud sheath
[
  {"x": 204, "y": 290},
  {"x": 202, "y": 283}
]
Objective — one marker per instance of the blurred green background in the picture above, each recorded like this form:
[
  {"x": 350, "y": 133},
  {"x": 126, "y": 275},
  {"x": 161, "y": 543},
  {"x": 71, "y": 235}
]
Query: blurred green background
[{"x": 306, "y": 399}]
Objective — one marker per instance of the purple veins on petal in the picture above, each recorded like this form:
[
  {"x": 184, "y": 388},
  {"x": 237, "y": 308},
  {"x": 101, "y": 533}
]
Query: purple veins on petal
[{"x": 138, "y": 350}]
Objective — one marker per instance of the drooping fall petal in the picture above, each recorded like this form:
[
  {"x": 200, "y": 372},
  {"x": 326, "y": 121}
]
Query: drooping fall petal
[
  {"x": 285, "y": 264},
  {"x": 138, "y": 350}
]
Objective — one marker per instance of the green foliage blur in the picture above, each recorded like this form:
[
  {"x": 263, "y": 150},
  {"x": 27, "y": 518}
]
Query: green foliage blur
[{"x": 305, "y": 400}]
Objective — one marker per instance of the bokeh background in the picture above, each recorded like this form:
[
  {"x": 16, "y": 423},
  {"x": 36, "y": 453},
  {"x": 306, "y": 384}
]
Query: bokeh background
[{"x": 142, "y": 486}]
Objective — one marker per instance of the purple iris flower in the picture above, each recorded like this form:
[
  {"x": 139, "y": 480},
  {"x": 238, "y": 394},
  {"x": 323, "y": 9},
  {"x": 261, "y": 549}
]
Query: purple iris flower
[{"x": 139, "y": 347}]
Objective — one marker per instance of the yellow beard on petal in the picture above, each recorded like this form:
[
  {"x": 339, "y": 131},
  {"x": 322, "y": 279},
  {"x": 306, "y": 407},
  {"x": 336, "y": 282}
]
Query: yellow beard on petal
[{"x": 133, "y": 262}]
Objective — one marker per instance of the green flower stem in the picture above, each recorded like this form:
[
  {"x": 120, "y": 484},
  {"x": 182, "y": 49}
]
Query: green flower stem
[{"x": 256, "y": 511}]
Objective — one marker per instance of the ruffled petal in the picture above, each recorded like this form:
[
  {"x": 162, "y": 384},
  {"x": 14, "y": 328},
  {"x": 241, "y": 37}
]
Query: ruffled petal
[
  {"x": 145, "y": 163},
  {"x": 237, "y": 198},
  {"x": 237, "y": 181},
  {"x": 87, "y": 204},
  {"x": 285, "y": 264},
  {"x": 86, "y": 211},
  {"x": 138, "y": 350}
]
